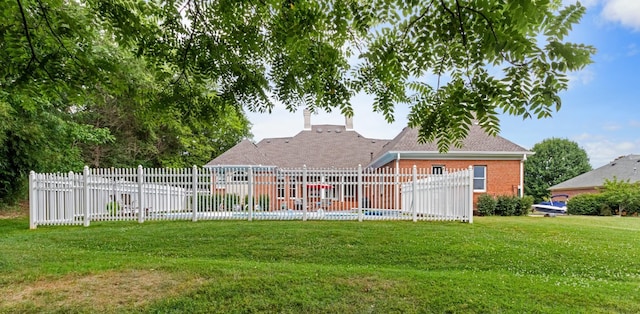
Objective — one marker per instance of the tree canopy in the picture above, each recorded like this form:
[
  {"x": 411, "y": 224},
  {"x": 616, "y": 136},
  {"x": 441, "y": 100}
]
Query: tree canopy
[
  {"x": 106, "y": 82},
  {"x": 555, "y": 160}
]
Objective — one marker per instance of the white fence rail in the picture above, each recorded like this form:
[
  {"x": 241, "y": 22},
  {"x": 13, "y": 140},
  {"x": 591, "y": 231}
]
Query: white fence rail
[{"x": 249, "y": 193}]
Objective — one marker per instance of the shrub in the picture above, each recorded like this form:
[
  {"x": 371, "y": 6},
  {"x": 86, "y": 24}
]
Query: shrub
[
  {"x": 605, "y": 210},
  {"x": 504, "y": 205},
  {"x": 486, "y": 205},
  {"x": 622, "y": 197},
  {"x": 113, "y": 208},
  {"x": 218, "y": 202},
  {"x": 586, "y": 204},
  {"x": 524, "y": 206},
  {"x": 263, "y": 201},
  {"x": 507, "y": 205}
]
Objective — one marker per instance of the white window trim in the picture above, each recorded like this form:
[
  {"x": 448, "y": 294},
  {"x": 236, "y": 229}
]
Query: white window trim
[
  {"x": 281, "y": 187},
  {"x": 293, "y": 188},
  {"x": 484, "y": 179}
]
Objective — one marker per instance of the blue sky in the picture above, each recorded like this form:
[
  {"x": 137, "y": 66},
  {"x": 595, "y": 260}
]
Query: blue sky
[{"x": 600, "y": 110}]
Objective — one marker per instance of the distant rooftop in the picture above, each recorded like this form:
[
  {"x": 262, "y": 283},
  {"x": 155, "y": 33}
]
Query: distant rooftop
[{"x": 622, "y": 168}]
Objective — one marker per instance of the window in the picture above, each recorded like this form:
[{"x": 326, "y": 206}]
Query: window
[
  {"x": 293, "y": 187},
  {"x": 350, "y": 186},
  {"x": 437, "y": 169},
  {"x": 280, "y": 188},
  {"x": 479, "y": 178},
  {"x": 220, "y": 180},
  {"x": 240, "y": 176}
]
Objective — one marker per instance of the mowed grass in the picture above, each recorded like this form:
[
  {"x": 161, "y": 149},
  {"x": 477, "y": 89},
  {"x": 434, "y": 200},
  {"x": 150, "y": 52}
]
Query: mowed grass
[{"x": 497, "y": 264}]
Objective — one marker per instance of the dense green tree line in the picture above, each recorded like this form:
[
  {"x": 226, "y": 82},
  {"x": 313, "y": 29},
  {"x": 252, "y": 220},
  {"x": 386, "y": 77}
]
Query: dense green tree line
[{"x": 166, "y": 83}]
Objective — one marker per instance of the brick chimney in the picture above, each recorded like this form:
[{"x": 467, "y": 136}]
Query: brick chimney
[
  {"x": 348, "y": 123},
  {"x": 307, "y": 119}
]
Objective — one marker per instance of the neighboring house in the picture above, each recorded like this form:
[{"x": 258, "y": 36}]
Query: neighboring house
[
  {"x": 497, "y": 163},
  {"x": 622, "y": 168}
]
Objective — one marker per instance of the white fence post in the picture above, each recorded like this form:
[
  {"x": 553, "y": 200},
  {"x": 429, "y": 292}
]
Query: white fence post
[
  {"x": 85, "y": 179},
  {"x": 194, "y": 187},
  {"x": 470, "y": 203},
  {"x": 250, "y": 193},
  {"x": 140, "y": 194},
  {"x": 360, "y": 216},
  {"x": 32, "y": 201},
  {"x": 304, "y": 193},
  {"x": 414, "y": 193}
]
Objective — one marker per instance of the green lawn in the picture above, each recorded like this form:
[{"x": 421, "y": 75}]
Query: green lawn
[{"x": 497, "y": 264}]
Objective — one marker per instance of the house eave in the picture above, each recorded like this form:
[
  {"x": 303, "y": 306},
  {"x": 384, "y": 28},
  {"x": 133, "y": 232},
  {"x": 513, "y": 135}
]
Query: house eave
[
  {"x": 455, "y": 155},
  {"x": 592, "y": 187}
]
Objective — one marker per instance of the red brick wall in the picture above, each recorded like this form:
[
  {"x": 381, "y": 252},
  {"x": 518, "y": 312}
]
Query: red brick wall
[
  {"x": 503, "y": 176},
  {"x": 574, "y": 192}
]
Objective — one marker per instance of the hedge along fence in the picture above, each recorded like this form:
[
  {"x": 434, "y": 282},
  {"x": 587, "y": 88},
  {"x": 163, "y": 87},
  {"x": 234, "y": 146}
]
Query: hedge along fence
[
  {"x": 589, "y": 204},
  {"x": 601, "y": 204},
  {"x": 504, "y": 205}
]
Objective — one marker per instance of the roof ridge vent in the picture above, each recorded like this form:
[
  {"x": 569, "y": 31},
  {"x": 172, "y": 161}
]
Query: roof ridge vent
[{"x": 319, "y": 130}]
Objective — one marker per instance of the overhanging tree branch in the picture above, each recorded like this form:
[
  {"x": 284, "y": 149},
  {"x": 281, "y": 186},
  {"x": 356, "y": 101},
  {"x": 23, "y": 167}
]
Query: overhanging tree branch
[
  {"x": 54, "y": 34},
  {"x": 25, "y": 27},
  {"x": 414, "y": 21},
  {"x": 495, "y": 36}
]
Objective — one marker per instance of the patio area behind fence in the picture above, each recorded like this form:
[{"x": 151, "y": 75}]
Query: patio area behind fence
[{"x": 249, "y": 193}]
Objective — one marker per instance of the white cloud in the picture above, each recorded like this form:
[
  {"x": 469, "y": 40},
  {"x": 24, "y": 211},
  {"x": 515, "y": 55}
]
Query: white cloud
[
  {"x": 601, "y": 150},
  {"x": 282, "y": 123},
  {"x": 625, "y": 12},
  {"x": 586, "y": 3},
  {"x": 582, "y": 77},
  {"x": 612, "y": 127}
]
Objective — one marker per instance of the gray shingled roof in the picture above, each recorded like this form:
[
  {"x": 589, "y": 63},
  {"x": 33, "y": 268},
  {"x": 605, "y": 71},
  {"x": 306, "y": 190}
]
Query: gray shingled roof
[
  {"x": 623, "y": 168},
  {"x": 335, "y": 146},
  {"x": 243, "y": 154},
  {"x": 322, "y": 146},
  {"x": 476, "y": 141}
]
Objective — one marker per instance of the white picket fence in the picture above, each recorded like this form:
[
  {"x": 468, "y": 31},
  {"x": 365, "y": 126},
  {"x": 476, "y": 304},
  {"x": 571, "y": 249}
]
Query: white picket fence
[{"x": 225, "y": 193}]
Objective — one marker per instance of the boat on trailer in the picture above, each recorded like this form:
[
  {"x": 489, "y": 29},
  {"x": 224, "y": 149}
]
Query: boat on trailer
[{"x": 557, "y": 204}]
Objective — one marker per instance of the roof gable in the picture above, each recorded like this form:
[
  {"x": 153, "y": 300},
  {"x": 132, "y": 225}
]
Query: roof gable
[
  {"x": 477, "y": 142},
  {"x": 322, "y": 146},
  {"x": 242, "y": 154}
]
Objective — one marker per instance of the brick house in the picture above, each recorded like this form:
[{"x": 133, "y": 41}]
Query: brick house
[
  {"x": 497, "y": 162},
  {"x": 622, "y": 168}
]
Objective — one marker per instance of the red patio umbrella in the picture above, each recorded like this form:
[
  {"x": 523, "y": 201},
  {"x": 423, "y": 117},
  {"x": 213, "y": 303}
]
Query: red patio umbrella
[{"x": 319, "y": 186}]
